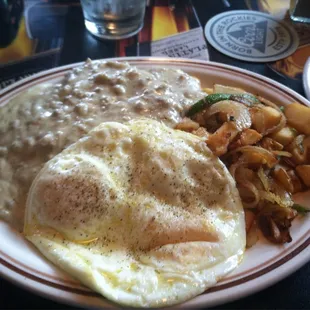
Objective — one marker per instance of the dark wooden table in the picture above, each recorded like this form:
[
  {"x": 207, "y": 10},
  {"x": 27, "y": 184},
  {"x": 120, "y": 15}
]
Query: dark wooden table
[{"x": 290, "y": 293}]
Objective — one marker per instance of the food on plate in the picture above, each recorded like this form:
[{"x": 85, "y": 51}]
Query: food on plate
[
  {"x": 45, "y": 119},
  {"x": 266, "y": 149},
  {"x": 298, "y": 116},
  {"x": 145, "y": 187},
  {"x": 143, "y": 214}
]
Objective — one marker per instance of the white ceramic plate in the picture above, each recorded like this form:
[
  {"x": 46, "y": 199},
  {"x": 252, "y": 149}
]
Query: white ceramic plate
[{"x": 263, "y": 265}]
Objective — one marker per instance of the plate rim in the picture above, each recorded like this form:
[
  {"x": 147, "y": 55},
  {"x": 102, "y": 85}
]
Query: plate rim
[
  {"x": 264, "y": 280},
  {"x": 159, "y": 60}
]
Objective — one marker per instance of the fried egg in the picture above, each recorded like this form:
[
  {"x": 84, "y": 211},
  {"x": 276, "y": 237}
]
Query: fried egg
[{"x": 141, "y": 213}]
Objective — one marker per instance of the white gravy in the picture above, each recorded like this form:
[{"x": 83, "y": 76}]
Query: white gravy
[{"x": 41, "y": 122}]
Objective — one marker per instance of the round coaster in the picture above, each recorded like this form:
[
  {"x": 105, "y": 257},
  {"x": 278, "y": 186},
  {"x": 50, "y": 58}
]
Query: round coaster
[{"x": 251, "y": 36}]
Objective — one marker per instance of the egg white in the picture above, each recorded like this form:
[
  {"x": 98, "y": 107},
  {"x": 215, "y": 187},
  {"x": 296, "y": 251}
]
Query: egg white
[{"x": 141, "y": 213}]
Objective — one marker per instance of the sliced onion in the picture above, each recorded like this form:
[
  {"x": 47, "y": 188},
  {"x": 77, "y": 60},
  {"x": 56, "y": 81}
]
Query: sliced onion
[
  {"x": 284, "y": 201},
  {"x": 289, "y": 162},
  {"x": 251, "y": 188},
  {"x": 241, "y": 175},
  {"x": 233, "y": 168},
  {"x": 264, "y": 179},
  {"x": 282, "y": 193},
  {"x": 252, "y": 235},
  {"x": 277, "y": 127},
  {"x": 269, "y": 103},
  {"x": 239, "y": 111},
  {"x": 249, "y": 217},
  {"x": 240, "y": 172},
  {"x": 266, "y": 156},
  {"x": 282, "y": 153},
  {"x": 244, "y": 173},
  {"x": 274, "y": 231}
]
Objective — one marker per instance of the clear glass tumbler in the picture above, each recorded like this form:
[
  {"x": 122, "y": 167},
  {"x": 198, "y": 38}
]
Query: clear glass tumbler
[
  {"x": 113, "y": 19},
  {"x": 300, "y": 11}
]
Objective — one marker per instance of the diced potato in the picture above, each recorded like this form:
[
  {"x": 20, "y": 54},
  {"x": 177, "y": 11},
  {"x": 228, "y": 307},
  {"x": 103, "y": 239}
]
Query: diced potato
[
  {"x": 187, "y": 125},
  {"x": 264, "y": 118},
  {"x": 298, "y": 157},
  {"x": 208, "y": 90},
  {"x": 298, "y": 151},
  {"x": 201, "y": 132},
  {"x": 257, "y": 118},
  {"x": 250, "y": 136},
  {"x": 272, "y": 117},
  {"x": 298, "y": 116},
  {"x": 270, "y": 144},
  {"x": 219, "y": 141},
  {"x": 256, "y": 159},
  {"x": 284, "y": 136},
  {"x": 281, "y": 175},
  {"x": 227, "y": 89},
  {"x": 304, "y": 173},
  {"x": 306, "y": 145},
  {"x": 268, "y": 102},
  {"x": 247, "y": 137},
  {"x": 297, "y": 185}
]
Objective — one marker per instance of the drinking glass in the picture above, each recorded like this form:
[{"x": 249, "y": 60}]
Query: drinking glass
[
  {"x": 300, "y": 11},
  {"x": 113, "y": 19}
]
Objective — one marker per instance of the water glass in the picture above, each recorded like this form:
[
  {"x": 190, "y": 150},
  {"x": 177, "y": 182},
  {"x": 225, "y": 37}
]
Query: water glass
[
  {"x": 113, "y": 19},
  {"x": 300, "y": 11}
]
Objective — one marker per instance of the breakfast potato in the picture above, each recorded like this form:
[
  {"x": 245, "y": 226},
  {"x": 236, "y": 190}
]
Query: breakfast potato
[
  {"x": 271, "y": 145},
  {"x": 187, "y": 125},
  {"x": 299, "y": 149},
  {"x": 306, "y": 145},
  {"x": 249, "y": 136},
  {"x": 264, "y": 118},
  {"x": 272, "y": 116},
  {"x": 284, "y": 136},
  {"x": 269, "y": 103},
  {"x": 282, "y": 176},
  {"x": 298, "y": 157},
  {"x": 304, "y": 173},
  {"x": 219, "y": 141},
  {"x": 256, "y": 159},
  {"x": 208, "y": 90},
  {"x": 297, "y": 184},
  {"x": 257, "y": 119},
  {"x": 298, "y": 116},
  {"x": 201, "y": 132}
]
